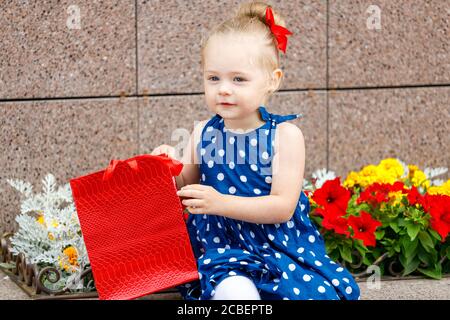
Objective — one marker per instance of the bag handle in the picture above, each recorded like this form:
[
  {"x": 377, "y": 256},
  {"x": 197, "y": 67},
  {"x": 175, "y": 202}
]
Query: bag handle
[{"x": 175, "y": 166}]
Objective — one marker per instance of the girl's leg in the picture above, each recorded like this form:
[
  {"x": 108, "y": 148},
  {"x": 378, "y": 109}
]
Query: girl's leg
[{"x": 236, "y": 288}]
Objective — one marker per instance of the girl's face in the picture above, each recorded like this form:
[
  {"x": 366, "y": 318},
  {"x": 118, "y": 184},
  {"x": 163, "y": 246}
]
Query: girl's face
[{"x": 235, "y": 85}]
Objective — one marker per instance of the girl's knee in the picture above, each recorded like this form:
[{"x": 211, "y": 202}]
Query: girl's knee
[{"x": 236, "y": 288}]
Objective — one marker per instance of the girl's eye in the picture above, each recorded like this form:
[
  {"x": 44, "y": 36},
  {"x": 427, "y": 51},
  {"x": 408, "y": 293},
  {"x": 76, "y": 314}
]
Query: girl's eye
[
  {"x": 241, "y": 79},
  {"x": 212, "y": 78}
]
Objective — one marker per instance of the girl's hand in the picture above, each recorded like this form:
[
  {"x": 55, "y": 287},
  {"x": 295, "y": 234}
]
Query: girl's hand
[
  {"x": 164, "y": 148},
  {"x": 203, "y": 199}
]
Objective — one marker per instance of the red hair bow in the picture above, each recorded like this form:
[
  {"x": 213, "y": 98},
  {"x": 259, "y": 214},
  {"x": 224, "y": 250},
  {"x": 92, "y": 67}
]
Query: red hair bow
[{"x": 278, "y": 31}]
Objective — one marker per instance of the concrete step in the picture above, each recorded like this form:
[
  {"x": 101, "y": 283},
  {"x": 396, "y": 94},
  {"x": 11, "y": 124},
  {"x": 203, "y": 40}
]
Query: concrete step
[{"x": 389, "y": 289}]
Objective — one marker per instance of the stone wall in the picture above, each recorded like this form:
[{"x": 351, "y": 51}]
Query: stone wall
[{"x": 83, "y": 82}]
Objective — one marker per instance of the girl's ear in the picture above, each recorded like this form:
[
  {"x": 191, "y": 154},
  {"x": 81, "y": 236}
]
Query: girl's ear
[{"x": 277, "y": 75}]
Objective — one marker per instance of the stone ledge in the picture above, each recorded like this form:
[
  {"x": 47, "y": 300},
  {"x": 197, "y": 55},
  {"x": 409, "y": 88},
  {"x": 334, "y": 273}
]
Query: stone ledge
[{"x": 389, "y": 289}]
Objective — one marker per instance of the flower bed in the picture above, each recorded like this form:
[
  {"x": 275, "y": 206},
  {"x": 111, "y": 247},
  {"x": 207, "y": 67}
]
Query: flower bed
[{"x": 392, "y": 215}]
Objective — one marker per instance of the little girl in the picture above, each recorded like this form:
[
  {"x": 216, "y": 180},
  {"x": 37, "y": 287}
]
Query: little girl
[{"x": 242, "y": 179}]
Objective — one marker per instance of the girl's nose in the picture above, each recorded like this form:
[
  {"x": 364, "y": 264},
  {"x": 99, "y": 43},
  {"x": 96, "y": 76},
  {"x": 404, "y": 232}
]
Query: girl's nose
[{"x": 224, "y": 89}]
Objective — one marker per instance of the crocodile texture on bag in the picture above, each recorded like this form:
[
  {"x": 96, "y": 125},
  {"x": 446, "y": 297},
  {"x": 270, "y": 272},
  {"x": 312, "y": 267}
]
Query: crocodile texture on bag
[{"x": 132, "y": 223}]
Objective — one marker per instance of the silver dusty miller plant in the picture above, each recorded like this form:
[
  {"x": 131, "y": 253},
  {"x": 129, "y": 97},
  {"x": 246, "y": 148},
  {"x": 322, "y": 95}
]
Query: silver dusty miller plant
[{"x": 49, "y": 232}]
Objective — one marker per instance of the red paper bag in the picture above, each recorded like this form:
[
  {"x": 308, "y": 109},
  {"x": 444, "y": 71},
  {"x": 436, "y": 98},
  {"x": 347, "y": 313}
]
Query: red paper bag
[{"x": 132, "y": 223}]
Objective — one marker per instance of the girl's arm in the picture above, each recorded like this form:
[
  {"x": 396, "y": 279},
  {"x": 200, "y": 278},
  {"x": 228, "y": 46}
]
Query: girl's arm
[
  {"x": 288, "y": 166},
  {"x": 190, "y": 173}
]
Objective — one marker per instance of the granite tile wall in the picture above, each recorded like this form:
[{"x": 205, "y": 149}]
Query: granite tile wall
[{"x": 82, "y": 82}]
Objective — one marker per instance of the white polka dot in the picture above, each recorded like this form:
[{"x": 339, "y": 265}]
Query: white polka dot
[
  {"x": 296, "y": 291},
  {"x": 220, "y": 250},
  {"x": 346, "y": 280},
  {"x": 243, "y": 178},
  {"x": 292, "y": 267},
  {"x": 327, "y": 283},
  {"x": 318, "y": 263},
  {"x": 209, "y": 129},
  {"x": 242, "y": 153},
  {"x": 231, "y": 165},
  {"x": 206, "y": 261},
  {"x": 266, "y": 245},
  {"x": 241, "y": 237},
  {"x": 300, "y": 250},
  {"x": 221, "y": 152},
  {"x": 232, "y": 273},
  {"x": 312, "y": 253},
  {"x": 285, "y": 298},
  {"x": 210, "y": 163},
  {"x": 306, "y": 278},
  {"x": 286, "y": 237},
  {"x": 231, "y": 140},
  {"x": 232, "y": 190},
  {"x": 301, "y": 259},
  {"x": 311, "y": 239},
  {"x": 265, "y": 155},
  {"x": 266, "y": 132},
  {"x": 348, "y": 290},
  {"x": 199, "y": 275},
  {"x": 271, "y": 237},
  {"x": 321, "y": 289},
  {"x": 202, "y": 151},
  {"x": 216, "y": 240},
  {"x": 220, "y": 176},
  {"x": 252, "y": 234},
  {"x": 290, "y": 224},
  {"x": 253, "y": 142},
  {"x": 254, "y": 167},
  {"x": 298, "y": 233},
  {"x": 257, "y": 191},
  {"x": 275, "y": 288},
  {"x": 285, "y": 275},
  {"x": 277, "y": 255},
  {"x": 244, "y": 263},
  {"x": 285, "y": 243},
  {"x": 335, "y": 282},
  {"x": 213, "y": 140},
  {"x": 233, "y": 259},
  {"x": 219, "y": 225},
  {"x": 268, "y": 179},
  {"x": 340, "y": 269},
  {"x": 332, "y": 262}
]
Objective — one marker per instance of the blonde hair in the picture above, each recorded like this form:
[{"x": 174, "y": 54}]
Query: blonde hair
[{"x": 251, "y": 19}]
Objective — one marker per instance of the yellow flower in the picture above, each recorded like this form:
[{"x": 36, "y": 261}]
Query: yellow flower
[
  {"x": 351, "y": 180},
  {"x": 51, "y": 236},
  {"x": 393, "y": 166},
  {"x": 40, "y": 219},
  {"x": 69, "y": 261},
  {"x": 395, "y": 198},
  {"x": 443, "y": 189},
  {"x": 55, "y": 223},
  {"x": 419, "y": 178}
]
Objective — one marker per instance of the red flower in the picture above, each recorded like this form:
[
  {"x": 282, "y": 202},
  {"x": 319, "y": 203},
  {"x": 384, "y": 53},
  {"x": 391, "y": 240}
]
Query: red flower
[
  {"x": 438, "y": 206},
  {"x": 333, "y": 220},
  {"x": 364, "y": 228},
  {"x": 378, "y": 193},
  {"x": 332, "y": 196},
  {"x": 414, "y": 196}
]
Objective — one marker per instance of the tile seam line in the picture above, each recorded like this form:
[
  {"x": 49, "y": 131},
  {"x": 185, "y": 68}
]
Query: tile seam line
[{"x": 36, "y": 99}]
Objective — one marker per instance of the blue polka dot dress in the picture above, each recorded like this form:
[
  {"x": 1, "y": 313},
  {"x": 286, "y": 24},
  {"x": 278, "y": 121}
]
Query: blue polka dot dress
[{"x": 285, "y": 261}]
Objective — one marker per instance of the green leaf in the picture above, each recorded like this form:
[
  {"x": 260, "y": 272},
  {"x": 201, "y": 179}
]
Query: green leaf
[
  {"x": 413, "y": 230},
  {"x": 8, "y": 265},
  {"x": 435, "y": 234},
  {"x": 435, "y": 273},
  {"x": 379, "y": 234},
  {"x": 411, "y": 267},
  {"x": 409, "y": 247},
  {"x": 394, "y": 226},
  {"x": 346, "y": 253},
  {"x": 426, "y": 241}
]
